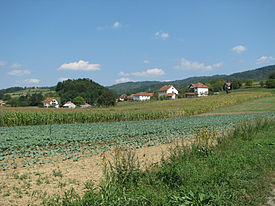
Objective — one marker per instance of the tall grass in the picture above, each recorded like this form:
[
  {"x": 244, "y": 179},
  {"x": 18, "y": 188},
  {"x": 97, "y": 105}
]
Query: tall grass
[{"x": 215, "y": 170}]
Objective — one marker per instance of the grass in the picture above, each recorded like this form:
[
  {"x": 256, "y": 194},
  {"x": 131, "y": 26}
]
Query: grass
[
  {"x": 236, "y": 171},
  {"x": 265, "y": 104}
]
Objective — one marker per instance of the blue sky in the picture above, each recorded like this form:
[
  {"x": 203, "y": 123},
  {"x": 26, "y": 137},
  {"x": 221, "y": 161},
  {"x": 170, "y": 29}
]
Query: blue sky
[{"x": 43, "y": 42}]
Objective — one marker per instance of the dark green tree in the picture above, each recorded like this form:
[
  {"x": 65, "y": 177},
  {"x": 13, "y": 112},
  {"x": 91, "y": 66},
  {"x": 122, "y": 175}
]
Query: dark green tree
[
  {"x": 248, "y": 82},
  {"x": 79, "y": 101},
  {"x": 36, "y": 99},
  {"x": 271, "y": 76},
  {"x": 262, "y": 83},
  {"x": 236, "y": 83}
]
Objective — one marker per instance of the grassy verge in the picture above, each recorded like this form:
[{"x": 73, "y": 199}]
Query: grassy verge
[{"x": 234, "y": 170}]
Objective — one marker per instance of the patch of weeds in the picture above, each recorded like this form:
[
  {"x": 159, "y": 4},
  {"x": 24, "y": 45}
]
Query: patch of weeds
[
  {"x": 57, "y": 173},
  {"x": 61, "y": 184},
  {"x": 17, "y": 191},
  {"x": 39, "y": 181},
  {"x": 24, "y": 176}
]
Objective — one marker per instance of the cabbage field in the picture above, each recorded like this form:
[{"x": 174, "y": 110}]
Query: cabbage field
[{"x": 31, "y": 145}]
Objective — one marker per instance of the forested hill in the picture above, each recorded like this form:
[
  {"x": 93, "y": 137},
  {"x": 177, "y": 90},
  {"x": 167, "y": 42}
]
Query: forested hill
[{"x": 134, "y": 87}]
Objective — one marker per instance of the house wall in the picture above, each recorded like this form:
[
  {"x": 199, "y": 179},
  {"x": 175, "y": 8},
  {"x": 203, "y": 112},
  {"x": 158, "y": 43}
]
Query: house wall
[
  {"x": 170, "y": 90},
  {"x": 141, "y": 98},
  {"x": 201, "y": 91}
]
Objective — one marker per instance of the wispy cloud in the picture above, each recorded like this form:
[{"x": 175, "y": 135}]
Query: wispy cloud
[
  {"x": 239, "y": 49},
  {"x": 124, "y": 79},
  {"x": 80, "y": 66},
  {"x": 115, "y": 25},
  {"x": 19, "y": 72},
  {"x": 149, "y": 73},
  {"x": 161, "y": 35},
  {"x": 2, "y": 63},
  {"x": 31, "y": 81},
  {"x": 14, "y": 66},
  {"x": 194, "y": 65},
  {"x": 146, "y": 61},
  {"x": 265, "y": 59},
  {"x": 61, "y": 79}
]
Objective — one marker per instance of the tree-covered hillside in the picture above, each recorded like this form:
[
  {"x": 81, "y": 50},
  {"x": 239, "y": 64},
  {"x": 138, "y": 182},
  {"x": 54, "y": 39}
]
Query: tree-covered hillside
[
  {"x": 91, "y": 92},
  {"x": 149, "y": 86}
]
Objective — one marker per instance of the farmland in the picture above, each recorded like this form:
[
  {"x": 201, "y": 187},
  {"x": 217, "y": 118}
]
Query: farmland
[{"x": 126, "y": 111}]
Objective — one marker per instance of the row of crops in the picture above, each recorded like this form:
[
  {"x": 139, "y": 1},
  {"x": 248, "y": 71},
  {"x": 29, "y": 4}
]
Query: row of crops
[
  {"x": 31, "y": 145},
  {"x": 141, "y": 111}
]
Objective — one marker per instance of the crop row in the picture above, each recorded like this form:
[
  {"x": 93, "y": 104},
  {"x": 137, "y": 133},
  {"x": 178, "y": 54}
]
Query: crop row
[
  {"x": 140, "y": 111},
  {"x": 34, "y": 144}
]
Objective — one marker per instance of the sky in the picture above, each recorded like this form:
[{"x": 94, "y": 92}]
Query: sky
[{"x": 43, "y": 42}]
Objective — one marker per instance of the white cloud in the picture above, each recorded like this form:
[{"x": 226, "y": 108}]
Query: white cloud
[
  {"x": 80, "y": 66},
  {"x": 161, "y": 35},
  {"x": 116, "y": 25},
  {"x": 61, "y": 79},
  {"x": 146, "y": 61},
  {"x": 149, "y": 73},
  {"x": 31, "y": 81},
  {"x": 2, "y": 63},
  {"x": 123, "y": 74},
  {"x": 189, "y": 65},
  {"x": 123, "y": 79},
  {"x": 15, "y": 66},
  {"x": 19, "y": 72},
  {"x": 239, "y": 49},
  {"x": 265, "y": 59}
]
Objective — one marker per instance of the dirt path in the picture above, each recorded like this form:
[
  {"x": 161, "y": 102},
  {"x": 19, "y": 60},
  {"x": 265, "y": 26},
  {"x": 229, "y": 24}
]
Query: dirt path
[{"x": 24, "y": 186}]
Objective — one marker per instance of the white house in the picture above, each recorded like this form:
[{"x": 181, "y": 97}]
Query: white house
[
  {"x": 199, "y": 88},
  {"x": 142, "y": 96},
  {"x": 51, "y": 102},
  {"x": 168, "y": 90},
  {"x": 86, "y": 105},
  {"x": 69, "y": 105}
]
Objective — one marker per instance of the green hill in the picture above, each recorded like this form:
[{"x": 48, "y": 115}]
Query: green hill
[{"x": 149, "y": 86}]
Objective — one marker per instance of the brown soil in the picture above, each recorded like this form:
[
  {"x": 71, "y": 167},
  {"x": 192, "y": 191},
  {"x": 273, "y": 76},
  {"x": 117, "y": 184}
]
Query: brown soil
[{"x": 29, "y": 186}]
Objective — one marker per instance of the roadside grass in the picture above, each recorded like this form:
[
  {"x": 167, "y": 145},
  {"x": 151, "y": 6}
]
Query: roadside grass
[
  {"x": 216, "y": 170},
  {"x": 266, "y": 104}
]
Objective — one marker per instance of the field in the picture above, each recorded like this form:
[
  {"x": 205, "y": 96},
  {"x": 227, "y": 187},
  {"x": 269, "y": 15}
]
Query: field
[
  {"x": 40, "y": 162},
  {"x": 126, "y": 111}
]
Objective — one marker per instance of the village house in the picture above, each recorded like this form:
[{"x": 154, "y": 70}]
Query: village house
[
  {"x": 2, "y": 103},
  {"x": 227, "y": 86},
  {"x": 130, "y": 97},
  {"x": 51, "y": 102},
  {"x": 122, "y": 97},
  {"x": 142, "y": 96},
  {"x": 199, "y": 88},
  {"x": 69, "y": 105},
  {"x": 168, "y": 90}
]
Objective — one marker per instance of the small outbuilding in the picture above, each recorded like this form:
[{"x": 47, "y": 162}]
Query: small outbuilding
[
  {"x": 142, "y": 96},
  {"x": 69, "y": 105},
  {"x": 85, "y": 106}
]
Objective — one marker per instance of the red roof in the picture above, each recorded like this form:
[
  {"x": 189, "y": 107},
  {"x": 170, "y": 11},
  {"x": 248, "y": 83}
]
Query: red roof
[
  {"x": 165, "y": 88},
  {"x": 68, "y": 103},
  {"x": 2, "y": 102},
  {"x": 228, "y": 84},
  {"x": 49, "y": 99},
  {"x": 199, "y": 85},
  {"x": 123, "y": 96},
  {"x": 143, "y": 94}
]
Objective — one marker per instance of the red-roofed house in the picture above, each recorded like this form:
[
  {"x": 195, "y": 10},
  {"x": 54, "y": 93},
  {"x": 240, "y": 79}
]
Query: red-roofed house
[
  {"x": 122, "y": 97},
  {"x": 199, "y": 88},
  {"x": 86, "y": 105},
  {"x": 142, "y": 96},
  {"x": 51, "y": 102},
  {"x": 168, "y": 90},
  {"x": 227, "y": 86},
  {"x": 2, "y": 102}
]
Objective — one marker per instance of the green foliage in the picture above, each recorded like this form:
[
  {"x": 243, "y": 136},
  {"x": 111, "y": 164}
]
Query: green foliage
[
  {"x": 271, "y": 76},
  {"x": 36, "y": 99},
  {"x": 236, "y": 84},
  {"x": 216, "y": 85},
  {"x": 9, "y": 90},
  {"x": 248, "y": 82},
  {"x": 79, "y": 101},
  {"x": 91, "y": 92},
  {"x": 262, "y": 83},
  {"x": 270, "y": 83}
]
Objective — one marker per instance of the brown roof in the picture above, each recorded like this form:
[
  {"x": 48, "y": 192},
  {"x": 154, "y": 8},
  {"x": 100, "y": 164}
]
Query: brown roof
[
  {"x": 143, "y": 94},
  {"x": 2, "y": 102},
  {"x": 123, "y": 96},
  {"x": 165, "y": 88},
  {"x": 49, "y": 99},
  {"x": 199, "y": 85},
  {"x": 170, "y": 94}
]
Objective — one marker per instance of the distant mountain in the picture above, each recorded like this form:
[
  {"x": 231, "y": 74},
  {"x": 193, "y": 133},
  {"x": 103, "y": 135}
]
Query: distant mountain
[{"x": 149, "y": 86}]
